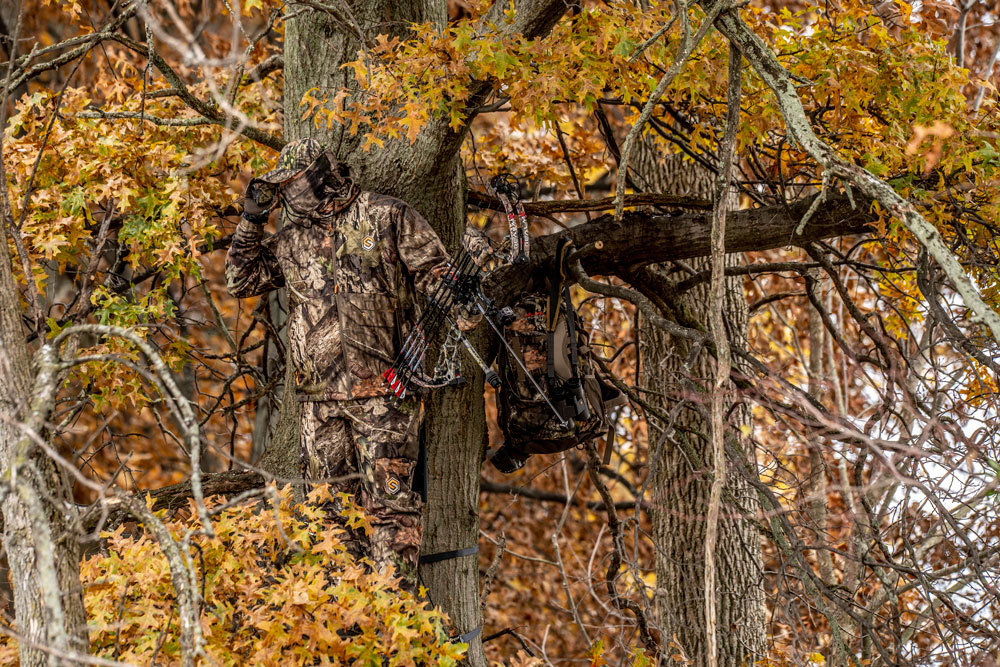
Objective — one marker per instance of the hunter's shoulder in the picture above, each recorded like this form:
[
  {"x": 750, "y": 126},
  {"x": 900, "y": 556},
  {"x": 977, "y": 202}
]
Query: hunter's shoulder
[{"x": 387, "y": 203}]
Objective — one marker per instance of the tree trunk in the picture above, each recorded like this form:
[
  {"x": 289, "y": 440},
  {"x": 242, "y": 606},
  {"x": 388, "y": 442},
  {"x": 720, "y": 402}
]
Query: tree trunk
[
  {"x": 427, "y": 175},
  {"x": 271, "y": 415},
  {"x": 42, "y": 550},
  {"x": 681, "y": 486}
]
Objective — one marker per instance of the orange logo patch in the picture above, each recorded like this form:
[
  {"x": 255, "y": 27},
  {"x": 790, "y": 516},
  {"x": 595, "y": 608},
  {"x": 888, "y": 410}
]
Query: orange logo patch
[{"x": 391, "y": 485}]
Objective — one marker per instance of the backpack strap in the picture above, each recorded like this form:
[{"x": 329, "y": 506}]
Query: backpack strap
[
  {"x": 558, "y": 291},
  {"x": 552, "y": 306},
  {"x": 563, "y": 250},
  {"x": 574, "y": 351},
  {"x": 515, "y": 345},
  {"x": 559, "y": 297}
]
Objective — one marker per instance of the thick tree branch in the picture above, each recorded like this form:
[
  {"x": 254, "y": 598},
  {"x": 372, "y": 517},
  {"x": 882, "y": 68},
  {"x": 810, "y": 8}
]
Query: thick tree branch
[
  {"x": 267, "y": 66},
  {"x": 547, "y": 208},
  {"x": 532, "y": 18},
  {"x": 644, "y": 239},
  {"x": 107, "y": 514}
]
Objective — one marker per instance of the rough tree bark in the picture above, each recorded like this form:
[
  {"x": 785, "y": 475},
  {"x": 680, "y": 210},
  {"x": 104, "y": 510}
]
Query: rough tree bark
[
  {"x": 681, "y": 487},
  {"x": 42, "y": 550},
  {"x": 428, "y": 176}
]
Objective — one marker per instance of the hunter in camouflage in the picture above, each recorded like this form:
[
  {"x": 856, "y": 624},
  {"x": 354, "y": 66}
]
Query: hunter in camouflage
[{"x": 351, "y": 262}]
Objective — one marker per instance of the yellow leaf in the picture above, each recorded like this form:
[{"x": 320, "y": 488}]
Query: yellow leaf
[{"x": 372, "y": 139}]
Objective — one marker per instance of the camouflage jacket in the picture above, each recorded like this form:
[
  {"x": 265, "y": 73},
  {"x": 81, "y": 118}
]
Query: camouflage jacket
[{"x": 350, "y": 283}]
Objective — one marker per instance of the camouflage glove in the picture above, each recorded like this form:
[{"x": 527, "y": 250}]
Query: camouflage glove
[
  {"x": 259, "y": 199},
  {"x": 465, "y": 319}
]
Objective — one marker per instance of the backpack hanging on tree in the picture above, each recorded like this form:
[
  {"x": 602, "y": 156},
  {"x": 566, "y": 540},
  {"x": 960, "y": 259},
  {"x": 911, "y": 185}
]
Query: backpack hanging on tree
[{"x": 551, "y": 342}]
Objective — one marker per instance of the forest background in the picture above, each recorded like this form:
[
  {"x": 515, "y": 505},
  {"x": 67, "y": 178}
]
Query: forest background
[{"x": 806, "y": 469}]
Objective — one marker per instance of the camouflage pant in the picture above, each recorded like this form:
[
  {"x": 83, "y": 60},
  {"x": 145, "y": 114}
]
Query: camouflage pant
[{"x": 371, "y": 437}]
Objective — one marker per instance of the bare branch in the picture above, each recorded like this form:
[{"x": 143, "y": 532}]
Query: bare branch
[
  {"x": 684, "y": 51},
  {"x": 180, "y": 405},
  {"x": 207, "y": 110}
]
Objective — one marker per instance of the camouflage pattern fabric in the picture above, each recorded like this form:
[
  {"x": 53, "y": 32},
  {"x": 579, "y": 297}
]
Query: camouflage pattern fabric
[
  {"x": 350, "y": 283},
  {"x": 351, "y": 276},
  {"x": 378, "y": 441},
  {"x": 294, "y": 157},
  {"x": 481, "y": 249}
]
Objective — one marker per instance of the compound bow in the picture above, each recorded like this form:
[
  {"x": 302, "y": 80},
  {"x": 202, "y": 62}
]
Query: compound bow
[{"x": 459, "y": 286}]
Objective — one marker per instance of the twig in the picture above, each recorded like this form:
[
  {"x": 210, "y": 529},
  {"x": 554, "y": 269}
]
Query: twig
[
  {"x": 618, "y": 555},
  {"x": 652, "y": 40},
  {"x": 491, "y": 573},
  {"x": 487, "y": 486},
  {"x": 987, "y": 74},
  {"x": 824, "y": 189},
  {"x": 66, "y": 657},
  {"x": 87, "y": 42},
  {"x": 723, "y": 365},
  {"x": 559, "y": 561},
  {"x": 530, "y": 559},
  {"x": 569, "y": 164},
  {"x": 641, "y": 302}
]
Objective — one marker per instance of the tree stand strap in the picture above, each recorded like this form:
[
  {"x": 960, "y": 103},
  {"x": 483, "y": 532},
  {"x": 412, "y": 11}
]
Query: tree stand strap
[{"x": 448, "y": 555}]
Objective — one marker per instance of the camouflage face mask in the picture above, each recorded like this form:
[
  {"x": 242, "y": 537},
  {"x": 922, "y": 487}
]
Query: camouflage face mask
[{"x": 318, "y": 192}]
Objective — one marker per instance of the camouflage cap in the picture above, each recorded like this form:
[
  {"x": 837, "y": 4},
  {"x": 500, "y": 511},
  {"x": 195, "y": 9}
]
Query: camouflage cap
[{"x": 295, "y": 156}]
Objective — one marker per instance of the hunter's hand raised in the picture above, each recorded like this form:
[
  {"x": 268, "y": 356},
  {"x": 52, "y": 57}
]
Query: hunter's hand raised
[{"x": 258, "y": 200}]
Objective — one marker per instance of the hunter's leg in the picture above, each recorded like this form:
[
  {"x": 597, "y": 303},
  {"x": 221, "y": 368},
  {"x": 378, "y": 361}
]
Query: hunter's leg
[
  {"x": 387, "y": 447},
  {"x": 326, "y": 447}
]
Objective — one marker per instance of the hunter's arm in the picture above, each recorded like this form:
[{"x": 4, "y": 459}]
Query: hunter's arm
[
  {"x": 251, "y": 267},
  {"x": 420, "y": 249}
]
